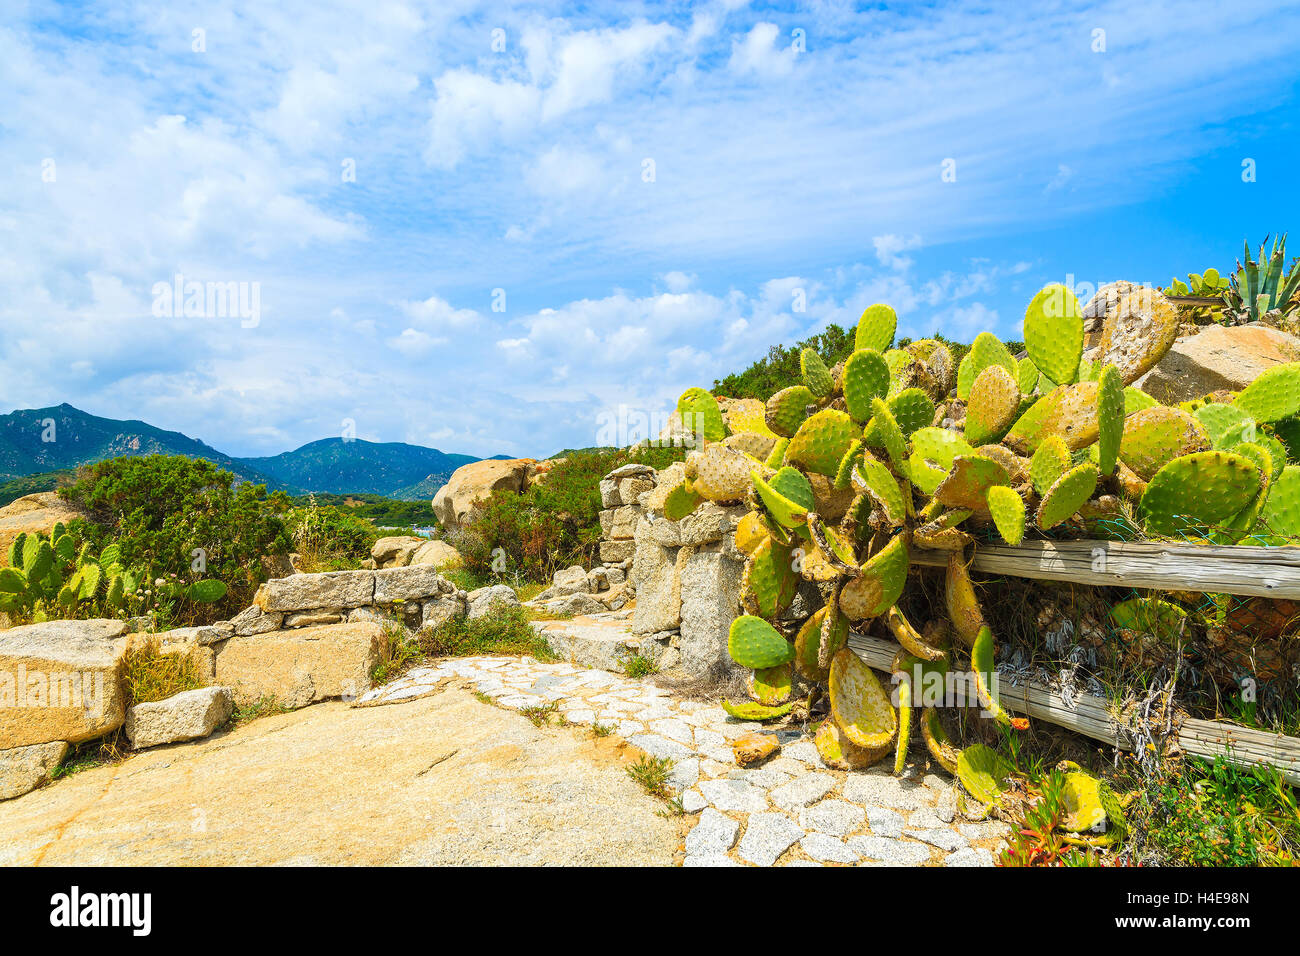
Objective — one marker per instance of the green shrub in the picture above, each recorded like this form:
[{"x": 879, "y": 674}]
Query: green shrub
[
  {"x": 160, "y": 509},
  {"x": 554, "y": 524},
  {"x": 505, "y": 631},
  {"x": 330, "y": 538}
]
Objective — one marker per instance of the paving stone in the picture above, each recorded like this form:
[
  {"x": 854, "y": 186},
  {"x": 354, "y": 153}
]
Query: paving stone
[
  {"x": 714, "y": 768},
  {"x": 970, "y": 856},
  {"x": 767, "y": 836},
  {"x": 708, "y": 859},
  {"x": 577, "y": 716},
  {"x": 885, "y": 822},
  {"x": 988, "y": 830},
  {"x": 674, "y": 729},
  {"x": 942, "y": 837},
  {"x": 715, "y": 833},
  {"x": 761, "y": 777},
  {"x": 805, "y": 751},
  {"x": 685, "y": 773},
  {"x": 785, "y": 765},
  {"x": 819, "y": 846},
  {"x": 802, "y": 863},
  {"x": 924, "y": 819},
  {"x": 889, "y": 851},
  {"x": 693, "y": 801},
  {"x": 836, "y": 817},
  {"x": 802, "y": 791},
  {"x": 657, "y": 746},
  {"x": 734, "y": 795},
  {"x": 627, "y": 729},
  {"x": 710, "y": 739},
  {"x": 885, "y": 791}
]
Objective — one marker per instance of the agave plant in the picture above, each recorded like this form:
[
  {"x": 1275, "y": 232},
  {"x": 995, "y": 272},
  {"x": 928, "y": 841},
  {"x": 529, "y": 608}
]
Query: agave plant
[
  {"x": 846, "y": 474},
  {"x": 1261, "y": 291}
]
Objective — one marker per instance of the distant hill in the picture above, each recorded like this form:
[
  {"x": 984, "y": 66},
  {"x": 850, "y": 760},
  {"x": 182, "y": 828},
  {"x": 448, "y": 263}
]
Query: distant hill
[
  {"x": 36, "y": 442},
  {"x": 12, "y": 489},
  {"x": 336, "y": 465}
]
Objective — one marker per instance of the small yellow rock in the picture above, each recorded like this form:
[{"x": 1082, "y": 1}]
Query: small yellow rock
[{"x": 753, "y": 747}]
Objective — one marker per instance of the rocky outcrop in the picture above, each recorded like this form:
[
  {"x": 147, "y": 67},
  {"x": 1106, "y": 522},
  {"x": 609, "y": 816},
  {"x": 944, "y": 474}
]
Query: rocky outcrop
[
  {"x": 489, "y": 600},
  {"x": 190, "y": 715},
  {"x": 29, "y": 514},
  {"x": 299, "y": 667},
  {"x": 61, "y": 681},
  {"x": 341, "y": 589},
  {"x": 396, "y": 551},
  {"x": 23, "y": 769},
  {"x": 475, "y": 482},
  {"x": 438, "y": 554},
  {"x": 1219, "y": 357}
]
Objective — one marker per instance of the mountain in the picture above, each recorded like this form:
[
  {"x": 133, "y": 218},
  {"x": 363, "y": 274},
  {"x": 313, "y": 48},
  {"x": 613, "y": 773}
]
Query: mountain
[
  {"x": 336, "y": 465},
  {"x": 36, "y": 440},
  {"x": 39, "y": 441}
]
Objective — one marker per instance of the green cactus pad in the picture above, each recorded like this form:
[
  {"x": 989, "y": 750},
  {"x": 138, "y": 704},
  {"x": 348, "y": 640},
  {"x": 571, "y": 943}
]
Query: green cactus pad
[
  {"x": 879, "y": 585},
  {"x": 866, "y": 377},
  {"x": 1225, "y": 424},
  {"x": 883, "y": 432},
  {"x": 1050, "y": 461},
  {"x": 778, "y": 453},
  {"x": 833, "y": 634},
  {"x": 700, "y": 414},
  {"x": 1054, "y": 333},
  {"x": 754, "y": 643},
  {"x": 884, "y": 489},
  {"x": 984, "y": 772},
  {"x": 1110, "y": 418},
  {"x": 1150, "y": 616},
  {"x": 986, "y": 350},
  {"x": 981, "y": 665},
  {"x": 788, "y": 496},
  {"x": 1027, "y": 433},
  {"x": 1091, "y": 807},
  {"x": 770, "y": 685},
  {"x": 1135, "y": 400},
  {"x": 912, "y": 409},
  {"x": 91, "y": 575},
  {"x": 844, "y": 471},
  {"x": 937, "y": 742},
  {"x": 1274, "y": 395},
  {"x": 1279, "y": 522},
  {"x": 787, "y": 409},
  {"x": 876, "y": 328},
  {"x": 680, "y": 502},
  {"x": 207, "y": 591},
  {"x": 904, "y": 737},
  {"x": 969, "y": 481},
  {"x": 747, "y": 415},
  {"x": 821, "y": 441},
  {"x": 815, "y": 375},
  {"x": 1027, "y": 376},
  {"x": 1155, "y": 436},
  {"x": 769, "y": 582},
  {"x": 806, "y": 644},
  {"x": 1008, "y": 511},
  {"x": 12, "y": 581},
  {"x": 749, "y": 710},
  {"x": 965, "y": 376},
  {"x": 753, "y": 444},
  {"x": 940, "y": 445},
  {"x": 922, "y": 474},
  {"x": 1196, "y": 491},
  {"x": 1288, "y": 432},
  {"x": 992, "y": 407},
  {"x": 859, "y": 705},
  {"x": 1067, "y": 495}
]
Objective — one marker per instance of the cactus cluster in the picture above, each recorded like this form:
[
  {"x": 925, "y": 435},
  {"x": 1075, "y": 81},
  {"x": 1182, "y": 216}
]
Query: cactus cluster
[
  {"x": 902, "y": 448},
  {"x": 49, "y": 577},
  {"x": 1264, "y": 289}
]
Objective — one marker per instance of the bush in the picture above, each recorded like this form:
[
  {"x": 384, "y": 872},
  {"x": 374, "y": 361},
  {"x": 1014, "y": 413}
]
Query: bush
[
  {"x": 161, "y": 509},
  {"x": 552, "y": 525},
  {"x": 330, "y": 538},
  {"x": 505, "y": 631}
]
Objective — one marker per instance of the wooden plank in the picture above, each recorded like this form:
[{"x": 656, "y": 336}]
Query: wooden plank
[
  {"x": 1250, "y": 571},
  {"x": 1091, "y": 716}
]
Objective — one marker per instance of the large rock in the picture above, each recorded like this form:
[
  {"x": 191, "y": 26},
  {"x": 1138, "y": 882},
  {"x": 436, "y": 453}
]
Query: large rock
[
  {"x": 303, "y": 592},
  {"x": 61, "y": 680},
  {"x": 299, "y": 667},
  {"x": 1221, "y": 357},
  {"x": 439, "y": 554},
  {"x": 619, "y": 523},
  {"x": 612, "y": 552},
  {"x": 571, "y": 580},
  {"x": 29, "y": 514},
  {"x": 395, "y": 551},
  {"x": 415, "y": 583},
  {"x": 657, "y": 583},
  {"x": 710, "y": 592},
  {"x": 485, "y": 600},
  {"x": 23, "y": 769},
  {"x": 185, "y": 716},
  {"x": 253, "y": 620},
  {"x": 475, "y": 482}
]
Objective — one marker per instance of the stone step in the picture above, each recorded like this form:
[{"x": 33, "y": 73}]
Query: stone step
[{"x": 604, "y": 643}]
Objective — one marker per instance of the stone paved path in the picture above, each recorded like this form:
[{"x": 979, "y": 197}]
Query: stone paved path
[{"x": 792, "y": 810}]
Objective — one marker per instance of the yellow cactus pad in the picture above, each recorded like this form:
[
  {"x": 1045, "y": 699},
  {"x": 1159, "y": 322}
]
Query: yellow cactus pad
[{"x": 859, "y": 704}]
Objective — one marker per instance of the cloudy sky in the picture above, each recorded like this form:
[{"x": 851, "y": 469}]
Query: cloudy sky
[{"x": 483, "y": 227}]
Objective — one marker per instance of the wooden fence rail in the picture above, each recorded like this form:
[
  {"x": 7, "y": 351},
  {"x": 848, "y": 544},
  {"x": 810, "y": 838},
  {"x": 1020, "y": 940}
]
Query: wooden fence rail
[
  {"x": 1251, "y": 571},
  {"x": 1092, "y": 717}
]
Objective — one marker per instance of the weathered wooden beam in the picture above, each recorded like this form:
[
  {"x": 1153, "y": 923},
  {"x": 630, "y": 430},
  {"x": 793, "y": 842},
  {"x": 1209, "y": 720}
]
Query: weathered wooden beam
[
  {"x": 1092, "y": 717},
  {"x": 1252, "y": 571}
]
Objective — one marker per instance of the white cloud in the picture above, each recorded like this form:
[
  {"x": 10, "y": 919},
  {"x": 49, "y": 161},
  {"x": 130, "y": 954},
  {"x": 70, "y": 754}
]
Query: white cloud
[
  {"x": 762, "y": 51},
  {"x": 889, "y": 247}
]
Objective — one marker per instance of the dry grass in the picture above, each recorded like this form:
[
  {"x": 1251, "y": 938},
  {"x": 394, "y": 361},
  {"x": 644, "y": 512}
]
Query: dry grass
[{"x": 148, "y": 674}]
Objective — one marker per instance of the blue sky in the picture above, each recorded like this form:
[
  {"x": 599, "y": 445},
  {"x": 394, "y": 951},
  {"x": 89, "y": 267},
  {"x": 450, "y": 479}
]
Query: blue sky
[{"x": 651, "y": 187}]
